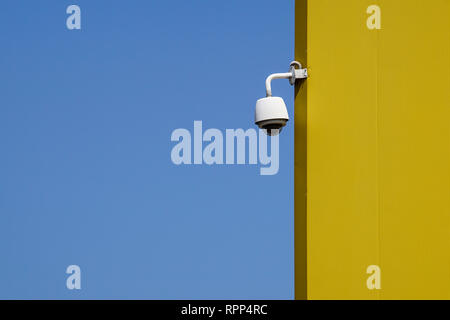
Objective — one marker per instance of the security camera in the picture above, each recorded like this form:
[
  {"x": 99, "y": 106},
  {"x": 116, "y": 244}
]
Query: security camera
[{"x": 271, "y": 113}]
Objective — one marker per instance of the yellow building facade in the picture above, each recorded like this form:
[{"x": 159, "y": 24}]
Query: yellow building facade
[{"x": 372, "y": 150}]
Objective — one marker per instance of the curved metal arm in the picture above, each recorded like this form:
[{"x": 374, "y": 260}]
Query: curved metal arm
[
  {"x": 269, "y": 79},
  {"x": 293, "y": 74}
]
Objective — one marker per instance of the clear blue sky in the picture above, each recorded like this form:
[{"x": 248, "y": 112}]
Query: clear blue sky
[{"x": 86, "y": 176}]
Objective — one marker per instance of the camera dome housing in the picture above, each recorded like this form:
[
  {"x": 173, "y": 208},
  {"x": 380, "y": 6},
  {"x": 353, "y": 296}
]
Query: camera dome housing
[{"x": 271, "y": 114}]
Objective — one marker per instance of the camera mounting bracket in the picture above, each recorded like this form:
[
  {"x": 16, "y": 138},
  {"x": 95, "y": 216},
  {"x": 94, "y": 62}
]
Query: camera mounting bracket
[{"x": 295, "y": 72}]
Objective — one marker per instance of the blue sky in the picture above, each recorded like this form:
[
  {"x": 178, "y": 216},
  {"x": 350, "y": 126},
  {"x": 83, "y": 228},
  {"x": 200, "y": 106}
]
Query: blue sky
[{"x": 86, "y": 176}]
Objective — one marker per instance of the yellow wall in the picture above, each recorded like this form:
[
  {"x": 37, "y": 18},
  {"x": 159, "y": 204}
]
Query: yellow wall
[{"x": 374, "y": 120}]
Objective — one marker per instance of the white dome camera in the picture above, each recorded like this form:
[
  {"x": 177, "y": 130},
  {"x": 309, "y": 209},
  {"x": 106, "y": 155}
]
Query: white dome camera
[{"x": 271, "y": 112}]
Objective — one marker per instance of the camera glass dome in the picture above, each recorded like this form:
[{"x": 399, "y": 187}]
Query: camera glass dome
[{"x": 272, "y": 126}]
